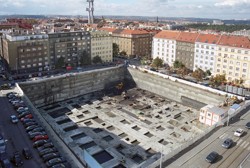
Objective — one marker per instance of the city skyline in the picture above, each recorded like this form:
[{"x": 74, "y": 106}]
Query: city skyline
[{"x": 220, "y": 9}]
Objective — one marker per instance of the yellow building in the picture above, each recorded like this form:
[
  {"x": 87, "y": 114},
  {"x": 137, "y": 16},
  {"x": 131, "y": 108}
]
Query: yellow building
[
  {"x": 101, "y": 45},
  {"x": 233, "y": 58}
]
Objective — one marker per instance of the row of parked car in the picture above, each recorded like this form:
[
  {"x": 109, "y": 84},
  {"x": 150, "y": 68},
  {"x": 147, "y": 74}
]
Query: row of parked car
[
  {"x": 45, "y": 148},
  {"x": 227, "y": 143}
]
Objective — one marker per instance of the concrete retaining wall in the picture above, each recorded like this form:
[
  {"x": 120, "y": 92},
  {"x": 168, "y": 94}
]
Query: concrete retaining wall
[
  {"x": 172, "y": 90},
  {"x": 47, "y": 91}
]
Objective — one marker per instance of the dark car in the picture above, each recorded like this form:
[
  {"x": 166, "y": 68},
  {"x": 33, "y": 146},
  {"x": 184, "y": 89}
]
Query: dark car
[
  {"x": 25, "y": 120},
  {"x": 55, "y": 161},
  {"x": 37, "y": 129},
  {"x": 40, "y": 137},
  {"x": 16, "y": 159},
  {"x": 212, "y": 157},
  {"x": 29, "y": 124},
  {"x": 47, "y": 145},
  {"x": 62, "y": 165},
  {"x": 50, "y": 156},
  {"x": 4, "y": 160},
  {"x": 227, "y": 143},
  {"x": 40, "y": 143},
  {"x": 29, "y": 128},
  {"x": 33, "y": 134},
  {"x": 23, "y": 114},
  {"x": 26, "y": 153},
  {"x": 47, "y": 150},
  {"x": 248, "y": 125}
]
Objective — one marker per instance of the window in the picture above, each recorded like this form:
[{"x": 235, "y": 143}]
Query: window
[
  {"x": 244, "y": 64},
  {"x": 209, "y": 114}
]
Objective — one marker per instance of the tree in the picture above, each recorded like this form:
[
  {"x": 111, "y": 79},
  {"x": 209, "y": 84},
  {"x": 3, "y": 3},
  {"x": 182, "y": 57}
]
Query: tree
[
  {"x": 60, "y": 63},
  {"x": 208, "y": 73},
  {"x": 198, "y": 74},
  {"x": 183, "y": 71},
  {"x": 123, "y": 53},
  {"x": 97, "y": 59},
  {"x": 218, "y": 80},
  {"x": 85, "y": 59},
  {"x": 178, "y": 64},
  {"x": 157, "y": 62},
  {"x": 115, "y": 49}
]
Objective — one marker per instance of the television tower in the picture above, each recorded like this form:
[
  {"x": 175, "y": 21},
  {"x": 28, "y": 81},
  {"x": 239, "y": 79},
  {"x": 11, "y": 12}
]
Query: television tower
[{"x": 90, "y": 9}]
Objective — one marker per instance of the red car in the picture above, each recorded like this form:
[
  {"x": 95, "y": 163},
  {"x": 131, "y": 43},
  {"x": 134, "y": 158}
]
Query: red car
[
  {"x": 40, "y": 137},
  {"x": 27, "y": 116}
]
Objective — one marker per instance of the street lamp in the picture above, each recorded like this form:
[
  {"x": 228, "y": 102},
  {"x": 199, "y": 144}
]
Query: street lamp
[{"x": 16, "y": 66}]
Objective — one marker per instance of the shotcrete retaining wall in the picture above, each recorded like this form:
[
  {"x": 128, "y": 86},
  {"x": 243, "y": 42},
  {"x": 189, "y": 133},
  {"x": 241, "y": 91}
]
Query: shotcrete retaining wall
[
  {"x": 176, "y": 91},
  {"x": 47, "y": 91}
]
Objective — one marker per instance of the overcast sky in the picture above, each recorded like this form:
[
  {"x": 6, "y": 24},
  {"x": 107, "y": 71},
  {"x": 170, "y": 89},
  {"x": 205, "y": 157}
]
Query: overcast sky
[{"x": 221, "y": 9}]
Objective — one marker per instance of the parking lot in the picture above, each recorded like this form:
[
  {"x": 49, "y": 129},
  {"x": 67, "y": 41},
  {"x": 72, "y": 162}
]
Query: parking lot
[{"x": 14, "y": 133}]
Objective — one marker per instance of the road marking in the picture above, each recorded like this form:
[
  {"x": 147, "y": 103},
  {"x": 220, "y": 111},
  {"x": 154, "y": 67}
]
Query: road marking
[
  {"x": 221, "y": 137},
  {"x": 242, "y": 144},
  {"x": 246, "y": 145},
  {"x": 235, "y": 139},
  {"x": 239, "y": 142}
]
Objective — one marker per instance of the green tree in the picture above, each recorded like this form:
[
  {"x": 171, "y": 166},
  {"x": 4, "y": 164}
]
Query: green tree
[
  {"x": 60, "y": 63},
  {"x": 183, "y": 71},
  {"x": 85, "y": 59},
  {"x": 198, "y": 74},
  {"x": 177, "y": 64},
  {"x": 218, "y": 80},
  {"x": 123, "y": 53},
  {"x": 115, "y": 49},
  {"x": 157, "y": 62},
  {"x": 97, "y": 59},
  {"x": 208, "y": 73}
]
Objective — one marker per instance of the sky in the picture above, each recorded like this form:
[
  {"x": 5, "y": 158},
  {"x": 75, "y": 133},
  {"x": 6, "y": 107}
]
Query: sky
[{"x": 220, "y": 9}]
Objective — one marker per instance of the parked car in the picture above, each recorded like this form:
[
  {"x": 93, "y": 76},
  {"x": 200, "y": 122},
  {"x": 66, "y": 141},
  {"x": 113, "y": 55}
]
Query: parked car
[
  {"x": 212, "y": 157},
  {"x": 16, "y": 159},
  {"x": 33, "y": 134},
  {"x": 26, "y": 120},
  {"x": 38, "y": 129},
  {"x": 10, "y": 94},
  {"x": 239, "y": 132},
  {"x": 13, "y": 119},
  {"x": 28, "y": 116},
  {"x": 47, "y": 150},
  {"x": 55, "y": 161},
  {"x": 50, "y": 156},
  {"x": 227, "y": 143},
  {"x": 29, "y": 128},
  {"x": 40, "y": 137},
  {"x": 47, "y": 145},
  {"x": 2, "y": 144},
  {"x": 4, "y": 160},
  {"x": 26, "y": 124},
  {"x": 26, "y": 153},
  {"x": 40, "y": 143},
  {"x": 23, "y": 114},
  {"x": 248, "y": 125},
  {"x": 22, "y": 109},
  {"x": 62, "y": 165}
]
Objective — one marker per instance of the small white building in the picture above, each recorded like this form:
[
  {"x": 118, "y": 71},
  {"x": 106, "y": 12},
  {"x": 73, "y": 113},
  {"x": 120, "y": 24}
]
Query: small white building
[{"x": 211, "y": 115}]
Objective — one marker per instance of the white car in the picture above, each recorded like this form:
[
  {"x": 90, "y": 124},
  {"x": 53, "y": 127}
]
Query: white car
[
  {"x": 13, "y": 119},
  {"x": 239, "y": 132}
]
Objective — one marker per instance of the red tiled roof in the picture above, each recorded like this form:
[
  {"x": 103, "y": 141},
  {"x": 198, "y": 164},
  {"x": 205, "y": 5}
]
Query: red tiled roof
[
  {"x": 187, "y": 37},
  {"x": 134, "y": 32},
  {"x": 167, "y": 34},
  {"x": 208, "y": 38},
  {"x": 235, "y": 41}
]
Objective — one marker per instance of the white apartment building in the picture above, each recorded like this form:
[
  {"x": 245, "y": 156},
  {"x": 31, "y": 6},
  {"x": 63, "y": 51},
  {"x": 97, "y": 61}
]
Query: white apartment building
[
  {"x": 164, "y": 46},
  {"x": 101, "y": 45},
  {"x": 205, "y": 52}
]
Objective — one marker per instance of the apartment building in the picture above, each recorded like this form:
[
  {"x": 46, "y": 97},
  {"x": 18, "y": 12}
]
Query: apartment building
[
  {"x": 101, "y": 45},
  {"x": 164, "y": 46},
  {"x": 71, "y": 46},
  {"x": 25, "y": 52},
  {"x": 205, "y": 52},
  {"x": 233, "y": 58},
  {"x": 185, "y": 48}
]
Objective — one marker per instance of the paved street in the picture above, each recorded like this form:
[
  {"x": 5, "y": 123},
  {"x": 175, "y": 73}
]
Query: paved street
[
  {"x": 15, "y": 134},
  {"x": 229, "y": 158}
]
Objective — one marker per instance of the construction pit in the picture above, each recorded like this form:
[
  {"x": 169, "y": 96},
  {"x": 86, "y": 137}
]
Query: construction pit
[
  {"x": 132, "y": 132},
  {"x": 133, "y": 128}
]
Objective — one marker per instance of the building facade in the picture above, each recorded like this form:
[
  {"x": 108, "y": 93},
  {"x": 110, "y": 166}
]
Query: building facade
[
  {"x": 205, "y": 52},
  {"x": 233, "y": 58},
  {"x": 164, "y": 46},
  {"x": 71, "y": 47},
  {"x": 185, "y": 48},
  {"x": 26, "y": 52},
  {"x": 101, "y": 45}
]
